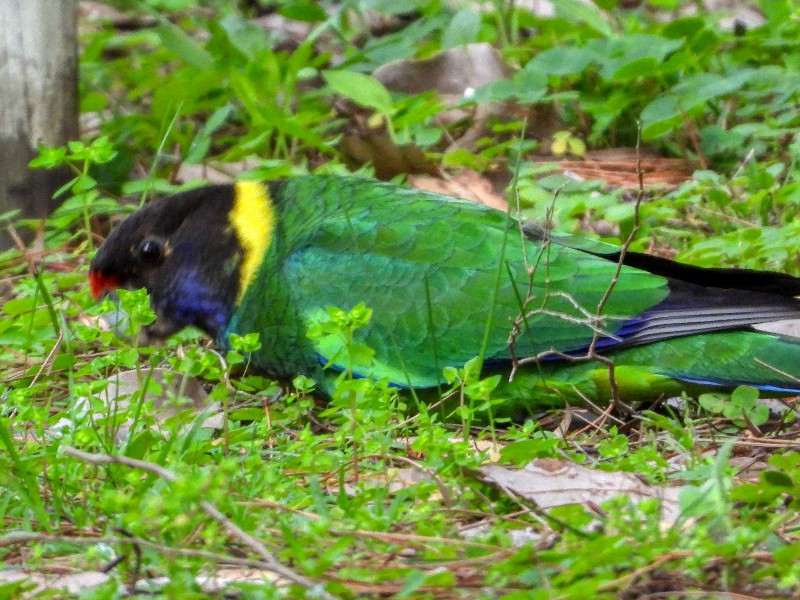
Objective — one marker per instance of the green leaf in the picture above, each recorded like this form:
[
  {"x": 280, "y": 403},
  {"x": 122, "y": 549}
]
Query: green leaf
[
  {"x": 563, "y": 60},
  {"x": 361, "y": 89},
  {"x": 777, "y": 11},
  {"x": 758, "y": 415},
  {"x": 19, "y": 306},
  {"x": 247, "y": 414},
  {"x": 305, "y": 10},
  {"x": 712, "y": 402},
  {"x": 641, "y": 67},
  {"x": 665, "y": 4},
  {"x": 776, "y": 478},
  {"x": 607, "y": 4},
  {"x": 202, "y": 141},
  {"x": 414, "y": 580},
  {"x": 179, "y": 42},
  {"x": 523, "y": 451},
  {"x": 753, "y": 493},
  {"x": 788, "y": 461},
  {"x": 83, "y": 184},
  {"x": 93, "y": 101},
  {"x": 463, "y": 29},
  {"x": 450, "y": 374},
  {"x": 576, "y": 11},
  {"x": 745, "y": 397},
  {"x": 661, "y": 116},
  {"x": 395, "y": 7},
  {"x": 702, "y": 87},
  {"x": 667, "y": 111},
  {"x": 246, "y": 36},
  {"x": 634, "y": 55},
  {"x": 684, "y": 28},
  {"x": 49, "y": 157}
]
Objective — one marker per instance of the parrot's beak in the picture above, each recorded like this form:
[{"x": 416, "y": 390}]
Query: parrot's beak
[{"x": 100, "y": 284}]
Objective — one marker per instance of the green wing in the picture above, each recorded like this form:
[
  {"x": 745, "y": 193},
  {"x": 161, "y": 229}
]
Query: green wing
[{"x": 437, "y": 272}]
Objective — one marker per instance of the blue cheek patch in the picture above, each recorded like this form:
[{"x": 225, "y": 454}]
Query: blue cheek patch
[{"x": 191, "y": 302}]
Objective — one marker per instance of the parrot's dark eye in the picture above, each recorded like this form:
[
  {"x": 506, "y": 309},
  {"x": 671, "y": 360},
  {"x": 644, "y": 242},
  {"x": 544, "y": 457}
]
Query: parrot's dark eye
[{"x": 151, "y": 251}]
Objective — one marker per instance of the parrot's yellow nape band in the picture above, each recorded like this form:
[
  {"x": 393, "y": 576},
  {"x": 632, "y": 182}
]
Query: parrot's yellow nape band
[{"x": 253, "y": 220}]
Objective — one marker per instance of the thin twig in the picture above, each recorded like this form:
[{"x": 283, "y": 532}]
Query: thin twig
[
  {"x": 46, "y": 364},
  {"x": 623, "y": 251},
  {"x": 591, "y": 320},
  {"x": 777, "y": 370},
  {"x": 522, "y": 317},
  {"x": 626, "y": 580}
]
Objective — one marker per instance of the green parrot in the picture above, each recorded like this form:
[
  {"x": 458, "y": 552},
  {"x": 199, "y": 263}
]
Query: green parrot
[{"x": 447, "y": 280}]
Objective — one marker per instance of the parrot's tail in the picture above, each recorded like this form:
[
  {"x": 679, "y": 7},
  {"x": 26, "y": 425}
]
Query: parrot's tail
[{"x": 767, "y": 362}]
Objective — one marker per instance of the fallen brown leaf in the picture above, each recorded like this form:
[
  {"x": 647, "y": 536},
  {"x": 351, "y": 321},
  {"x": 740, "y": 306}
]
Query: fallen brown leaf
[
  {"x": 550, "y": 482},
  {"x": 468, "y": 185}
]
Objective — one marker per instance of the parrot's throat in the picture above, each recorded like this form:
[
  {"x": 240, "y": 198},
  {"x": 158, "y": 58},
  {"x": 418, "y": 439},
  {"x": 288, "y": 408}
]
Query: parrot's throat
[{"x": 253, "y": 221}]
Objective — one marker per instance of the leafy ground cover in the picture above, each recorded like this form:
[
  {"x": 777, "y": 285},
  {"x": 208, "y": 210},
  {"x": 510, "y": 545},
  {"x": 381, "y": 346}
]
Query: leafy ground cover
[{"x": 252, "y": 490}]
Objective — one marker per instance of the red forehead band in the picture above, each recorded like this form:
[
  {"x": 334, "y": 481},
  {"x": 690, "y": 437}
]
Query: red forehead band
[{"x": 101, "y": 284}]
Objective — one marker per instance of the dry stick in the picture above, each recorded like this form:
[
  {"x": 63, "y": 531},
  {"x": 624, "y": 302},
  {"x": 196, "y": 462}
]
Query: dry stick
[
  {"x": 701, "y": 595},
  {"x": 23, "y": 248},
  {"x": 777, "y": 370},
  {"x": 759, "y": 443},
  {"x": 48, "y": 358},
  {"x": 694, "y": 138},
  {"x": 721, "y": 215},
  {"x": 212, "y": 511},
  {"x": 447, "y": 498},
  {"x": 590, "y": 319},
  {"x": 625, "y": 580},
  {"x": 748, "y": 157},
  {"x": 521, "y": 318},
  {"x": 623, "y": 251}
]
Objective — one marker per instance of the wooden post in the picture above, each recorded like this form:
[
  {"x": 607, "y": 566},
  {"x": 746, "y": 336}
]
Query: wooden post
[{"x": 38, "y": 99}]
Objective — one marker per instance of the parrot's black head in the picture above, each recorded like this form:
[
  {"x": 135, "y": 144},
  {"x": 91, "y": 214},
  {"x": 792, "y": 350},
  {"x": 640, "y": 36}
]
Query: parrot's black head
[{"x": 184, "y": 251}]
